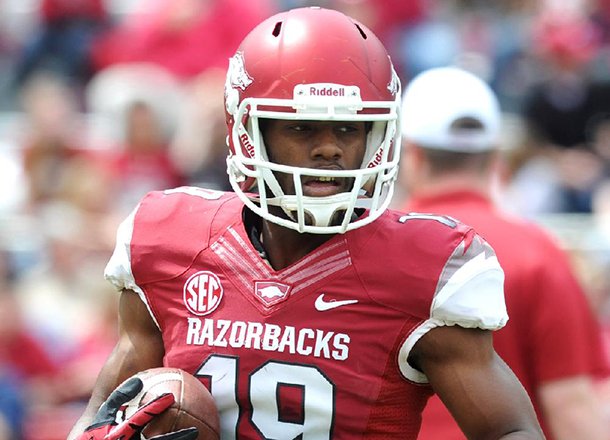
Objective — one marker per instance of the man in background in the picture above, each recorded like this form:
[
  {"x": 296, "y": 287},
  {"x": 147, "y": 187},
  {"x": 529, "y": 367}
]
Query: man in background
[{"x": 451, "y": 122}]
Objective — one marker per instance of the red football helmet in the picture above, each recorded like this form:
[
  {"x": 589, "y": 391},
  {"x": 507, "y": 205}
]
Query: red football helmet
[{"x": 312, "y": 64}]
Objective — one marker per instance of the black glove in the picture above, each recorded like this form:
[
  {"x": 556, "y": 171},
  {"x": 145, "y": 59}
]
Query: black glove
[{"x": 104, "y": 426}]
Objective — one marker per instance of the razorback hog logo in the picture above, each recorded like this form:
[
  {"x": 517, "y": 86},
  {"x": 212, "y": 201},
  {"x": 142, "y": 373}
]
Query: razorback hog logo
[
  {"x": 394, "y": 84},
  {"x": 271, "y": 292},
  {"x": 202, "y": 293},
  {"x": 237, "y": 75},
  {"x": 237, "y": 78}
]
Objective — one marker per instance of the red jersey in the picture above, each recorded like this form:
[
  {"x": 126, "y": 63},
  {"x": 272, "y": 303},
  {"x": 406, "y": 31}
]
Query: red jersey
[
  {"x": 552, "y": 332},
  {"x": 316, "y": 350}
]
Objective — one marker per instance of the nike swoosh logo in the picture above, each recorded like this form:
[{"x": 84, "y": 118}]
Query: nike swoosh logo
[{"x": 322, "y": 305}]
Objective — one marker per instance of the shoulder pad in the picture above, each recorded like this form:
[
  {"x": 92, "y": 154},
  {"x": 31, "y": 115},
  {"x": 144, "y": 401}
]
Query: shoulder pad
[{"x": 171, "y": 227}]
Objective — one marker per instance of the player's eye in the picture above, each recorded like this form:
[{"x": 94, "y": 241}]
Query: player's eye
[
  {"x": 299, "y": 127},
  {"x": 350, "y": 128},
  {"x": 347, "y": 128}
]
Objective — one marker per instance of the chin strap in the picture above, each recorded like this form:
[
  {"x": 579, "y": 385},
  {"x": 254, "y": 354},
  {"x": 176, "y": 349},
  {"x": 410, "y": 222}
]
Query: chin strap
[{"x": 319, "y": 210}]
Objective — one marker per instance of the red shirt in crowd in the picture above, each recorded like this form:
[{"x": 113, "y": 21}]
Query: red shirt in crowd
[
  {"x": 177, "y": 36},
  {"x": 54, "y": 10}
]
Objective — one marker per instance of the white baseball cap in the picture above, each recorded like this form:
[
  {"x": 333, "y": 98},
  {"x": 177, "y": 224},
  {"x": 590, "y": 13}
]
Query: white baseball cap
[{"x": 437, "y": 100}]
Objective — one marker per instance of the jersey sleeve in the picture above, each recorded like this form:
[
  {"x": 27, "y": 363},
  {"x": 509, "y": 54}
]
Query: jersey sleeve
[
  {"x": 118, "y": 270},
  {"x": 469, "y": 293}
]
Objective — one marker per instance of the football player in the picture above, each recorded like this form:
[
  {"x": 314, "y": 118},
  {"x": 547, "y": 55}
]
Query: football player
[{"x": 309, "y": 309}]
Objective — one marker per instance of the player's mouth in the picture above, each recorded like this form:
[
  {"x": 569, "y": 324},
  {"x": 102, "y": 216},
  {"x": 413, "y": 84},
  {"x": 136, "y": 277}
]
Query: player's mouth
[{"x": 323, "y": 186}]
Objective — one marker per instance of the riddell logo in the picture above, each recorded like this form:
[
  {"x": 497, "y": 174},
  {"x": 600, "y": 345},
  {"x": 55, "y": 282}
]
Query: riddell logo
[
  {"x": 245, "y": 140},
  {"x": 326, "y": 91},
  {"x": 377, "y": 159},
  {"x": 303, "y": 93},
  {"x": 202, "y": 293}
]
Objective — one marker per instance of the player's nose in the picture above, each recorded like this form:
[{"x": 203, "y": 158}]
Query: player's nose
[{"x": 326, "y": 145}]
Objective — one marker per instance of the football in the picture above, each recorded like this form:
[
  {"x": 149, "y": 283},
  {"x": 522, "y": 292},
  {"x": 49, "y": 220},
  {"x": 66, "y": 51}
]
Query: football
[{"x": 194, "y": 405}]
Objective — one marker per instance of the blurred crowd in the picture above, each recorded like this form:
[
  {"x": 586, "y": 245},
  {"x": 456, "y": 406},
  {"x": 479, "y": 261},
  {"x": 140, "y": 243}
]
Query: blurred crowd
[{"x": 102, "y": 101}]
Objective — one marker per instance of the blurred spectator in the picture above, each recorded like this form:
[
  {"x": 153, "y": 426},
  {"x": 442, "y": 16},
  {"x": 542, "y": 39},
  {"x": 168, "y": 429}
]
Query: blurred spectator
[
  {"x": 142, "y": 161},
  {"x": 42, "y": 388},
  {"x": 22, "y": 353},
  {"x": 27, "y": 373},
  {"x": 601, "y": 15},
  {"x": 145, "y": 106},
  {"x": 53, "y": 135},
  {"x": 200, "y": 144},
  {"x": 484, "y": 35},
  {"x": 390, "y": 20},
  {"x": 562, "y": 105},
  {"x": 62, "y": 42},
  {"x": 597, "y": 264},
  {"x": 13, "y": 339},
  {"x": 12, "y": 406},
  {"x": 600, "y": 142},
  {"x": 114, "y": 89},
  {"x": 62, "y": 283},
  {"x": 451, "y": 127},
  {"x": 12, "y": 398},
  {"x": 13, "y": 186},
  {"x": 67, "y": 310},
  {"x": 184, "y": 36},
  {"x": 564, "y": 108}
]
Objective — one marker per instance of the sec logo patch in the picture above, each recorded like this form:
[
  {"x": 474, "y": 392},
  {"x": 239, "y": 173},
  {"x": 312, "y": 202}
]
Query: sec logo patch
[{"x": 202, "y": 293}]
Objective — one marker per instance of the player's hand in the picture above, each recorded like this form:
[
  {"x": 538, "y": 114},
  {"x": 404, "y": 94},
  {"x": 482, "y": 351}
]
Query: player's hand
[{"x": 104, "y": 426}]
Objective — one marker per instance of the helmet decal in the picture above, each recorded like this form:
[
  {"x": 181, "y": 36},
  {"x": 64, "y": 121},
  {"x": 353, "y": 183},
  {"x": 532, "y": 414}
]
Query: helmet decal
[
  {"x": 237, "y": 78},
  {"x": 237, "y": 74},
  {"x": 394, "y": 84},
  {"x": 312, "y": 97}
]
